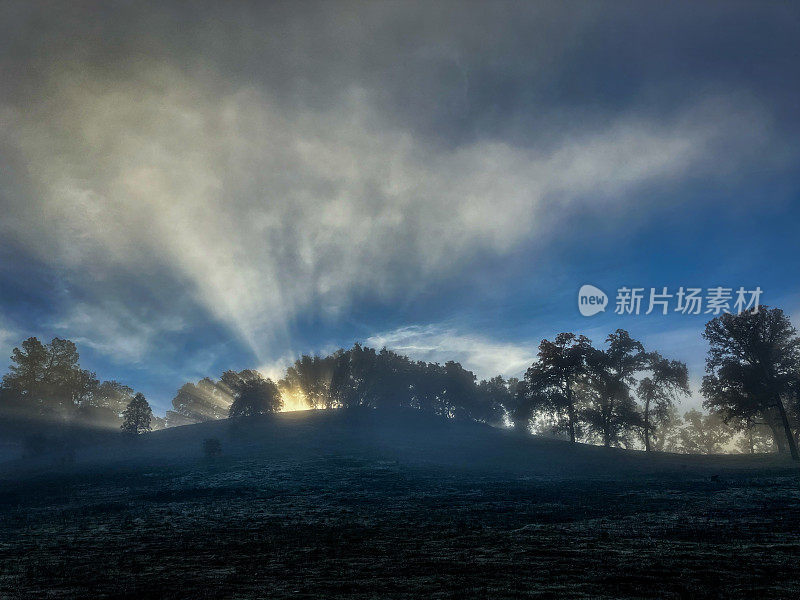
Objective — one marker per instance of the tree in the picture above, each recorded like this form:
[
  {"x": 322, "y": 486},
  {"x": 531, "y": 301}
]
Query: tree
[
  {"x": 427, "y": 387},
  {"x": 460, "y": 393},
  {"x": 112, "y": 395},
  {"x": 136, "y": 417},
  {"x": 47, "y": 378},
  {"x": 105, "y": 405},
  {"x": 541, "y": 406},
  {"x": 208, "y": 400},
  {"x": 610, "y": 410},
  {"x": 659, "y": 391},
  {"x": 256, "y": 396},
  {"x": 353, "y": 378},
  {"x": 519, "y": 407},
  {"x": 494, "y": 396},
  {"x": 752, "y": 367},
  {"x": 666, "y": 436},
  {"x": 704, "y": 434},
  {"x": 212, "y": 448},
  {"x": 25, "y": 381},
  {"x": 561, "y": 364},
  {"x": 756, "y": 438},
  {"x": 311, "y": 375}
]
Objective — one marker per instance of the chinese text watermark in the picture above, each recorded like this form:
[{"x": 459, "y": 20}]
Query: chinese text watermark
[{"x": 685, "y": 300}]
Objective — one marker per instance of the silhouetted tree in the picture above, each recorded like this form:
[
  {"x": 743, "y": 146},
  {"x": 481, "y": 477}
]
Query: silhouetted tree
[
  {"x": 47, "y": 378},
  {"x": 540, "y": 405},
  {"x": 208, "y": 399},
  {"x": 752, "y": 365},
  {"x": 610, "y": 410},
  {"x": 495, "y": 398},
  {"x": 659, "y": 391},
  {"x": 312, "y": 375},
  {"x": 230, "y": 382},
  {"x": 392, "y": 380},
  {"x": 561, "y": 364},
  {"x": 460, "y": 391},
  {"x": 136, "y": 417},
  {"x": 212, "y": 448},
  {"x": 427, "y": 387},
  {"x": 665, "y": 437},
  {"x": 256, "y": 396},
  {"x": 105, "y": 405},
  {"x": 704, "y": 434},
  {"x": 353, "y": 377},
  {"x": 756, "y": 438}
]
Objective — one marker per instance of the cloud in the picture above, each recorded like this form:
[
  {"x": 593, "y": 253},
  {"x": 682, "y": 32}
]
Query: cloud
[
  {"x": 116, "y": 331},
  {"x": 265, "y": 212},
  {"x": 9, "y": 337},
  {"x": 435, "y": 343},
  {"x": 251, "y": 165}
]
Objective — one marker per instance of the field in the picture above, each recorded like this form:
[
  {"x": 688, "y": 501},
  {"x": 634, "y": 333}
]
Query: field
[{"x": 325, "y": 506}]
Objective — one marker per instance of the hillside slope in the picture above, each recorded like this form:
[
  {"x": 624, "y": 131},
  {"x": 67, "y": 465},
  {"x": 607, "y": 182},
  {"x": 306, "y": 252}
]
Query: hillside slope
[
  {"x": 402, "y": 436},
  {"x": 369, "y": 504}
]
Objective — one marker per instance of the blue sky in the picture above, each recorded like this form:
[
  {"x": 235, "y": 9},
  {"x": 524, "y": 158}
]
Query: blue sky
[{"x": 188, "y": 191}]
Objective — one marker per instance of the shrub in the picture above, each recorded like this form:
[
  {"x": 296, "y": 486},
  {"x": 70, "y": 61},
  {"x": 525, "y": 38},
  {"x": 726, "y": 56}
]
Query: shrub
[{"x": 212, "y": 448}]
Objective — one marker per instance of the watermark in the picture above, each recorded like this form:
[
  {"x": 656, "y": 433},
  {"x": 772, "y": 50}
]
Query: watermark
[
  {"x": 685, "y": 300},
  {"x": 591, "y": 300}
]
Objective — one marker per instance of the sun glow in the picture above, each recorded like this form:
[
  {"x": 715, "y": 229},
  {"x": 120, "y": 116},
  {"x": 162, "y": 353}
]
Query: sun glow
[{"x": 294, "y": 399}]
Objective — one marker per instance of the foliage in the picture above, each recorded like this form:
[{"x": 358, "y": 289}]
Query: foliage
[
  {"x": 137, "y": 416},
  {"x": 665, "y": 437},
  {"x": 47, "y": 378},
  {"x": 311, "y": 375},
  {"x": 756, "y": 438},
  {"x": 704, "y": 434},
  {"x": 551, "y": 382},
  {"x": 609, "y": 409},
  {"x": 255, "y": 395},
  {"x": 659, "y": 392},
  {"x": 752, "y": 368}
]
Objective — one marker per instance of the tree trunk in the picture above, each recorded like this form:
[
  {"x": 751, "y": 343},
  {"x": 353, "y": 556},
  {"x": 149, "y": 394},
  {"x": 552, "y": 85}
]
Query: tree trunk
[
  {"x": 607, "y": 423},
  {"x": 787, "y": 429},
  {"x": 647, "y": 425},
  {"x": 571, "y": 415},
  {"x": 780, "y": 446}
]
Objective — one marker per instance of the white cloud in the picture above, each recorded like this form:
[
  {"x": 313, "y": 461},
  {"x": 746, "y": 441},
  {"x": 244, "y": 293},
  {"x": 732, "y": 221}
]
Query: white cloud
[
  {"x": 116, "y": 331},
  {"x": 481, "y": 355},
  {"x": 267, "y": 212},
  {"x": 9, "y": 338}
]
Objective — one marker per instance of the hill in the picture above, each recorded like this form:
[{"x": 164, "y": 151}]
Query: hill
[
  {"x": 375, "y": 504},
  {"x": 403, "y": 436}
]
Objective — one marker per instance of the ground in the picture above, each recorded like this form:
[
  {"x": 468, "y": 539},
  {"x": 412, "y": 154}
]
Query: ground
[{"x": 358, "y": 522}]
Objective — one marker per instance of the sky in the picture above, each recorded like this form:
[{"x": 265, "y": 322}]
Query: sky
[{"x": 187, "y": 188}]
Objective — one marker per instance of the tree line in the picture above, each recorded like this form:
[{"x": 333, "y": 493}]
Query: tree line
[
  {"x": 46, "y": 381},
  {"x": 616, "y": 394}
]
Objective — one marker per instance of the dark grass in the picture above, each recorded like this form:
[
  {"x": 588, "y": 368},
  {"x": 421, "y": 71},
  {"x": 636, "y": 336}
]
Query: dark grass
[{"x": 360, "y": 525}]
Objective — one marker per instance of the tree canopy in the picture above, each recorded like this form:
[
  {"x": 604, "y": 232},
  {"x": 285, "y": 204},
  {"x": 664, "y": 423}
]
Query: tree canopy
[
  {"x": 137, "y": 416},
  {"x": 752, "y": 368},
  {"x": 255, "y": 396}
]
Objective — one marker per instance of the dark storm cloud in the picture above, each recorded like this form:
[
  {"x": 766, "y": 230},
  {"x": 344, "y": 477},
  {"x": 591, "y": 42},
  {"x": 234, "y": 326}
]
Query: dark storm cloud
[{"x": 434, "y": 66}]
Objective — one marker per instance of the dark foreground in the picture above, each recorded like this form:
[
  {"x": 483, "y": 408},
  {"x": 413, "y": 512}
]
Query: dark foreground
[{"x": 352, "y": 526}]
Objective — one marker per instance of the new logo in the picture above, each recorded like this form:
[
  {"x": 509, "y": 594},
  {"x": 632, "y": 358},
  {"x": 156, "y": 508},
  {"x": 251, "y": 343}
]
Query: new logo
[{"x": 591, "y": 300}]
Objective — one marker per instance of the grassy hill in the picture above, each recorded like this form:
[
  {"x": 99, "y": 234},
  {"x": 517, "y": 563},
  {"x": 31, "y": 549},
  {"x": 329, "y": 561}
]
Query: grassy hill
[
  {"x": 375, "y": 504},
  {"x": 404, "y": 436}
]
